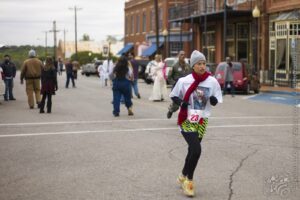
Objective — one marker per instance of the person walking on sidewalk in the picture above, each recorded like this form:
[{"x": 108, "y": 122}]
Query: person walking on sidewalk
[
  {"x": 158, "y": 72},
  {"x": 195, "y": 93},
  {"x": 179, "y": 69},
  {"x": 9, "y": 73},
  {"x": 69, "y": 73},
  {"x": 121, "y": 86},
  {"x": 228, "y": 74},
  {"x": 49, "y": 84},
  {"x": 31, "y": 71},
  {"x": 135, "y": 68}
]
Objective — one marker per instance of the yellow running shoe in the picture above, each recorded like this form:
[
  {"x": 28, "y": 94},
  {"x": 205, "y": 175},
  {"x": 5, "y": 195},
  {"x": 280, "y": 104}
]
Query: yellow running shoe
[
  {"x": 180, "y": 179},
  {"x": 188, "y": 188}
]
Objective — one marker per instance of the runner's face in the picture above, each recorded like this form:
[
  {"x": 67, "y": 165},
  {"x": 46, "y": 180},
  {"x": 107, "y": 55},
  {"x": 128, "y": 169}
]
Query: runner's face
[{"x": 200, "y": 67}]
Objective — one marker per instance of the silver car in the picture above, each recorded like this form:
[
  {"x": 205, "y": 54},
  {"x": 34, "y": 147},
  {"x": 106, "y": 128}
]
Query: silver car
[{"x": 91, "y": 68}]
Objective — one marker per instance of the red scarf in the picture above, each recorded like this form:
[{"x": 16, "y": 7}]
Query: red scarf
[{"x": 183, "y": 111}]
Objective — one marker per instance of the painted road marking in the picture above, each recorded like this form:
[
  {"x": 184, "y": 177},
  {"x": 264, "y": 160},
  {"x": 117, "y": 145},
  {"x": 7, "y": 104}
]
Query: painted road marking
[
  {"x": 286, "y": 99},
  {"x": 134, "y": 120},
  {"x": 139, "y": 130}
]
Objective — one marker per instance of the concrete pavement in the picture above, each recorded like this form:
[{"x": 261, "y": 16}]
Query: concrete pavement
[{"x": 80, "y": 151}]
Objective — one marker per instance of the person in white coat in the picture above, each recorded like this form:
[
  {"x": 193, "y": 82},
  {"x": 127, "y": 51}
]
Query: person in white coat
[
  {"x": 158, "y": 70},
  {"x": 104, "y": 71}
]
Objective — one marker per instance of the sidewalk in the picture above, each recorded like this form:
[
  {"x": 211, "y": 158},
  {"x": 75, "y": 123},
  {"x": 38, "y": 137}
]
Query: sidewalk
[{"x": 280, "y": 90}]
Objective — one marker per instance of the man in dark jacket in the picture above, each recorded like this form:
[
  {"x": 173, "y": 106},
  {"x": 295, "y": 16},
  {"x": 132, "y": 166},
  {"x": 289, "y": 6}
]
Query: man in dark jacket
[
  {"x": 135, "y": 69},
  {"x": 8, "y": 75},
  {"x": 179, "y": 69}
]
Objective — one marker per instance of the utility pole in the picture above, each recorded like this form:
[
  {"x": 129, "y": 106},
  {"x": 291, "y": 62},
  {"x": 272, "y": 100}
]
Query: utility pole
[
  {"x": 75, "y": 10},
  {"x": 157, "y": 26},
  {"x": 45, "y": 43},
  {"x": 54, "y": 38},
  {"x": 65, "y": 43}
]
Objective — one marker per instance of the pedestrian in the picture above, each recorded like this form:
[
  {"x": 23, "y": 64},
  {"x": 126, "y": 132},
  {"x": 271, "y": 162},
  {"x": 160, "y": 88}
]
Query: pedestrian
[
  {"x": 76, "y": 67},
  {"x": 2, "y": 87},
  {"x": 69, "y": 73},
  {"x": 60, "y": 66},
  {"x": 135, "y": 68},
  {"x": 104, "y": 72},
  {"x": 9, "y": 73},
  {"x": 158, "y": 72},
  {"x": 121, "y": 86},
  {"x": 49, "y": 84},
  {"x": 31, "y": 71},
  {"x": 178, "y": 70},
  {"x": 195, "y": 93},
  {"x": 228, "y": 74}
]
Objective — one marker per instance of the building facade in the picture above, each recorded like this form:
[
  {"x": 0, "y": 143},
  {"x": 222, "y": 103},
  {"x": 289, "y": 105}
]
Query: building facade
[
  {"x": 264, "y": 33},
  {"x": 140, "y": 28}
]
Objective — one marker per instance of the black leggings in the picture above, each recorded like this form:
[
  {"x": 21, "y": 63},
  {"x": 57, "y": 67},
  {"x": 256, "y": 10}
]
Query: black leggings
[
  {"x": 193, "y": 155},
  {"x": 49, "y": 102}
]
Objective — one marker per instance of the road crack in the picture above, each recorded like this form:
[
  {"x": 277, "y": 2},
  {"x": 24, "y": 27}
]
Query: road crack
[{"x": 236, "y": 171}]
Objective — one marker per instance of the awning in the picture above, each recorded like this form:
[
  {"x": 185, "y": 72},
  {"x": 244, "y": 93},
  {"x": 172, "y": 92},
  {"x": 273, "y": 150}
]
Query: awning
[
  {"x": 293, "y": 15},
  {"x": 125, "y": 49},
  {"x": 151, "y": 50}
]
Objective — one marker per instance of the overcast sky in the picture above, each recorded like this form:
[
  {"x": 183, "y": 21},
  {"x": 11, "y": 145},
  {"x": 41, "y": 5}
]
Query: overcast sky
[{"x": 23, "y": 21}]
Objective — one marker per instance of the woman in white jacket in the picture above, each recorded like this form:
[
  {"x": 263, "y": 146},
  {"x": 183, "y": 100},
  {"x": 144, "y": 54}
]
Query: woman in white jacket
[
  {"x": 159, "y": 91},
  {"x": 104, "y": 70}
]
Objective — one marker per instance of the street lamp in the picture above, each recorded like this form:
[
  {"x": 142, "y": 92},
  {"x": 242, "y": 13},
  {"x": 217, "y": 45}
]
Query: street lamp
[
  {"x": 165, "y": 34},
  {"x": 90, "y": 54}
]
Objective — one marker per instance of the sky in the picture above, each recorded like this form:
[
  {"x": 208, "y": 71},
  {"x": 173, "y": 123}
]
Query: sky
[{"x": 24, "y": 22}]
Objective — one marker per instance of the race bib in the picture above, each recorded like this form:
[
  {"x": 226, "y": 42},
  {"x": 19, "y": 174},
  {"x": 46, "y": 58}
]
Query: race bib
[{"x": 194, "y": 116}]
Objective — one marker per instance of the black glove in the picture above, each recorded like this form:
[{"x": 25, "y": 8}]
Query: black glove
[
  {"x": 213, "y": 100},
  {"x": 184, "y": 104},
  {"x": 180, "y": 102},
  {"x": 176, "y": 100}
]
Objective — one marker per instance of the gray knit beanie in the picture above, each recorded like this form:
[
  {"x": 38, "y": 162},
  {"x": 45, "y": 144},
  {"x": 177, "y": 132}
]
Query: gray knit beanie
[
  {"x": 31, "y": 53},
  {"x": 196, "y": 57}
]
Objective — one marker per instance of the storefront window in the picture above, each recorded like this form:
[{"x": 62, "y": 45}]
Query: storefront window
[
  {"x": 230, "y": 50},
  {"x": 281, "y": 54},
  {"x": 242, "y": 41},
  {"x": 294, "y": 55},
  {"x": 175, "y": 47},
  {"x": 242, "y": 50}
]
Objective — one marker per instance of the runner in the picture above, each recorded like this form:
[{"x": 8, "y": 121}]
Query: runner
[{"x": 195, "y": 93}]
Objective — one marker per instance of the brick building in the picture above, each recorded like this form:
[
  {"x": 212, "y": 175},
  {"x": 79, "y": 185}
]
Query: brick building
[
  {"x": 270, "y": 41},
  {"x": 140, "y": 29}
]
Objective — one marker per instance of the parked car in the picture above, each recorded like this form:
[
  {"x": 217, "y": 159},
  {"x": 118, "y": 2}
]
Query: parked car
[
  {"x": 243, "y": 77},
  {"x": 91, "y": 68}
]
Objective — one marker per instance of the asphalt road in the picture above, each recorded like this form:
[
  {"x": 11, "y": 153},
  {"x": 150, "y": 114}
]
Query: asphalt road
[{"x": 80, "y": 151}]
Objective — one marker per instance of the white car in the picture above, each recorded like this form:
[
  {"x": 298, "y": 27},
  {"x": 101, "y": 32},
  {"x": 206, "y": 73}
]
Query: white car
[{"x": 90, "y": 68}]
